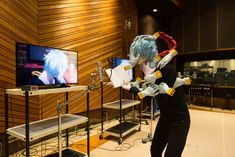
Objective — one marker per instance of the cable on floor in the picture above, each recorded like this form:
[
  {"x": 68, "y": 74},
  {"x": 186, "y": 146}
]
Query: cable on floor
[{"x": 123, "y": 147}]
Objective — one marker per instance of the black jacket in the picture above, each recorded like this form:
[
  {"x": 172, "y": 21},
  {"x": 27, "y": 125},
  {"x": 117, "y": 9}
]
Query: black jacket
[{"x": 171, "y": 107}]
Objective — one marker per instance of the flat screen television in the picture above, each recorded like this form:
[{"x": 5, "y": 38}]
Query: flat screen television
[
  {"x": 45, "y": 66},
  {"x": 120, "y": 61}
]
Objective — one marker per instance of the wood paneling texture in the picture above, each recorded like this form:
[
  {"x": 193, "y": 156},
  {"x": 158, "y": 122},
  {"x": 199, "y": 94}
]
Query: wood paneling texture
[
  {"x": 96, "y": 30},
  {"x": 18, "y": 23},
  {"x": 191, "y": 26},
  {"x": 129, "y": 13},
  {"x": 208, "y": 25},
  {"x": 177, "y": 32},
  {"x": 226, "y": 22}
]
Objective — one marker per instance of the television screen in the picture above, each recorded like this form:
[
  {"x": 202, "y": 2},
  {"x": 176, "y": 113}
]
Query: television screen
[
  {"x": 120, "y": 61},
  {"x": 38, "y": 65}
]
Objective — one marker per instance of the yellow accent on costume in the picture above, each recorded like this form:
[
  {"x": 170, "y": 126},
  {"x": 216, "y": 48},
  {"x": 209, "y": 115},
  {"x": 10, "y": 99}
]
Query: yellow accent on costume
[
  {"x": 174, "y": 52},
  {"x": 158, "y": 58},
  {"x": 158, "y": 74},
  {"x": 171, "y": 92},
  {"x": 140, "y": 95},
  {"x": 139, "y": 80},
  {"x": 157, "y": 34},
  {"x": 127, "y": 67},
  {"x": 187, "y": 81}
]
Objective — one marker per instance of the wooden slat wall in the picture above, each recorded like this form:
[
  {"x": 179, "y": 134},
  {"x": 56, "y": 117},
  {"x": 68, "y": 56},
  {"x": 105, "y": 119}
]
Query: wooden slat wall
[
  {"x": 129, "y": 12},
  {"x": 18, "y": 23},
  {"x": 95, "y": 29}
]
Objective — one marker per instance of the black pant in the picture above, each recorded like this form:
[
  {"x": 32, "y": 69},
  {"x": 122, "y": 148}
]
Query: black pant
[{"x": 170, "y": 133}]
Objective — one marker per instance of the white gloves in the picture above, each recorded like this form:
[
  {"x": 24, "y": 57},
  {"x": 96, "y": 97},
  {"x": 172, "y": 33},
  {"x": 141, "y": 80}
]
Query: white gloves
[
  {"x": 127, "y": 86},
  {"x": 164, "y": 89},
  {"x": 165, "y": 60},
  {"x": 180, "y": 82},
  {"x": 151, "y": 78},
  {"x": 152, "y": 90},
  {"x": 137, "y": 83}
]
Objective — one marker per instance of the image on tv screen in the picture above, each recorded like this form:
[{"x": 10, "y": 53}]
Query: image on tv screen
[
  {"x": 124, "y": 62},
  {"x": 38, "y": 65}
]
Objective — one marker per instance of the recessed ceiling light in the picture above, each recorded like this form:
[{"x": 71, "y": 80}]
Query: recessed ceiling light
[{"x": 154, "y": 10}]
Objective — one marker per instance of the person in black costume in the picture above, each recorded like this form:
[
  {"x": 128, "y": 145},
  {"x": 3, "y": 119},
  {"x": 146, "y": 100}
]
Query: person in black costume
[{"x": 174, "y": 122}]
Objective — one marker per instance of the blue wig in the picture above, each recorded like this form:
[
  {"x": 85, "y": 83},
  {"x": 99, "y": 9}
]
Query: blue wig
[{"x": 145, "y": 46}]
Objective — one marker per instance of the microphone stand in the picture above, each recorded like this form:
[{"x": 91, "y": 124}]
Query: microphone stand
[{"x": 59, "y": 108}]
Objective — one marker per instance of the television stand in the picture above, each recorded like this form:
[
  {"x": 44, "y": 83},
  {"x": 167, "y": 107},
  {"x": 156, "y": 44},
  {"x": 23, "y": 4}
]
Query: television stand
[
  {"x": 53, "y": 86},
  {"x": 32, "y": 131},
  {"x": 64, "y": 85}
]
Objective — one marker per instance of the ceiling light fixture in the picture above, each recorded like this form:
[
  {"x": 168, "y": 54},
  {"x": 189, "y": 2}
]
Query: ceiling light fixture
[{"x": 155, "y": 10}]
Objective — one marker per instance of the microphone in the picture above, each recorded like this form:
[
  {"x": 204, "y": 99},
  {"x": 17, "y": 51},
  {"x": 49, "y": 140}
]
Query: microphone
[
  {"x": 97, "y": 76},
  {"x": 100, "y": 70}
]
